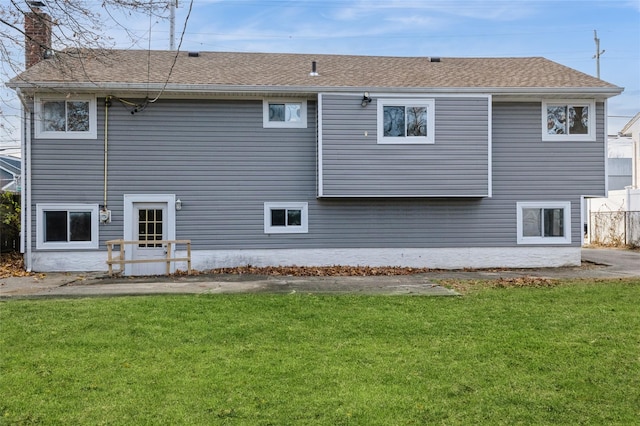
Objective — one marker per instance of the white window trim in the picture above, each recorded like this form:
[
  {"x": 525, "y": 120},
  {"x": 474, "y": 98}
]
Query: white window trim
[
  {"x": 565, "y": 205},
  {"x": 71, "y": 245},
  {"x": 93, "y": 118},
  {"x": 429, "y": 103},
  {"x": 302, "y": 229},
  {"x": 590, "y": 136},
  {"x": 302, "y": 124}
]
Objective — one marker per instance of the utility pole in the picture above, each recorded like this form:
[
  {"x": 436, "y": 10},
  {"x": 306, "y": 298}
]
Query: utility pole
[
  {"x": 598, "y": 52},
  {"x": 172, "y": 24}
]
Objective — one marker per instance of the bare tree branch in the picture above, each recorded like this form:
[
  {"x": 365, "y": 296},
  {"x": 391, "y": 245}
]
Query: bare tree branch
[{"x": 78, "y": 30}]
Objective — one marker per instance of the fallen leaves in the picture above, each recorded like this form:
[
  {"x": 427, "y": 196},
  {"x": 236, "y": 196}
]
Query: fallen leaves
[
  {"x": 466, "y": 286},
  {"x": 12, "y": 265},
  {"x": 320, "y": 271}
]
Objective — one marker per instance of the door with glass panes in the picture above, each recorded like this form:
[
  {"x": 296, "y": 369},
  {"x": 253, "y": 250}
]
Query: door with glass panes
[{"x": 150, "y": 227}]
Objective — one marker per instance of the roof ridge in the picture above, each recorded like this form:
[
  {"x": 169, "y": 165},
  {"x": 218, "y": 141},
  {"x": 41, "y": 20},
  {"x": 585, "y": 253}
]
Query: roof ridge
[{"x": 131, "y": 69}]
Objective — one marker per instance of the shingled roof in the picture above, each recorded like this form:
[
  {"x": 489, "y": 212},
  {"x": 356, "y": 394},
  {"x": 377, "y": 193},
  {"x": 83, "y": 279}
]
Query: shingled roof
[{"x": 139, "y": 69}]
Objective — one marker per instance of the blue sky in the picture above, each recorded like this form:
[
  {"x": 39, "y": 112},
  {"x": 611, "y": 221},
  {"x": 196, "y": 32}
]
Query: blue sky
[{"x": 562, "y": 31}]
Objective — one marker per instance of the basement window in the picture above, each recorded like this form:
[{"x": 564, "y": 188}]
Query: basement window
[
  {"x": 544, "y": 222},
  {"x": 286, "y": 218},
  {"x": 67, "y": 226}
]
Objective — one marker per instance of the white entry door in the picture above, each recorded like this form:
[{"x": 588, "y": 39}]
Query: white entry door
[
  {"x": 149, "y": 219},
  {"x": 150, "y": 222}
]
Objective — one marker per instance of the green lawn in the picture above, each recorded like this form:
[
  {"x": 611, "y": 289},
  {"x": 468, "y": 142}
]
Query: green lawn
[{"x": 568, "y": 354}]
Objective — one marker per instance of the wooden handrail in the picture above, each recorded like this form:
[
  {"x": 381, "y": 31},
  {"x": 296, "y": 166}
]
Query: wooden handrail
[{"x": 121, "y": 261}]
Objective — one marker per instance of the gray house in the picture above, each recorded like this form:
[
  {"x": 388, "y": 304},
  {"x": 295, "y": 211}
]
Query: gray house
[{"x": 283, "y": 159}]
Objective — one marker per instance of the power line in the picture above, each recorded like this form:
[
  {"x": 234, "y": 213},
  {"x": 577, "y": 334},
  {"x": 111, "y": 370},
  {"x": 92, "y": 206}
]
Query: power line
[{"x": 175, "y": 59}]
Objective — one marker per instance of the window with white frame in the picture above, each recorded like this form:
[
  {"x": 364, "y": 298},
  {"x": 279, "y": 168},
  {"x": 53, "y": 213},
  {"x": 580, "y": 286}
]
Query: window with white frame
[
  {"x": 68, "y": 118},
  {"x": 67, "y": 226},
  {"x": 281, "y": 113},
  {"x": 286, "y": 218},
  {"x": 405, "y": 121},
  {"x": 568, "y": 120},
  {"x": 544, "y": 222}
]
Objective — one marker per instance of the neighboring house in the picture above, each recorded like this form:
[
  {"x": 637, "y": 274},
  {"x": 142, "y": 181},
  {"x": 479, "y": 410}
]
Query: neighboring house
[
  {"x": 620, "y": 162},
  {"x": 282, "y": 159},
  {"x": 632, "y": 129},
  {"x": 615, "y": 220},
  {"x": 9, "y": 173}
]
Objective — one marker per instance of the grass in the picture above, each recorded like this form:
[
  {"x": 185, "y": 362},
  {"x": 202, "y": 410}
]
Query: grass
[{"x": 568, "y": 354}]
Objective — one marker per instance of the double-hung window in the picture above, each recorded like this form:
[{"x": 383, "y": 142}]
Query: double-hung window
[
  {"x": 405, "y": 121},
  {"x": 66, "y": 118},
  {"x": 568, "y": 120},
  {"x": 67, "y": 226},
  {"x": 284, "y": 113},
  {"x": 286, "y": 218},
  {"x": 544, "y": 222}
]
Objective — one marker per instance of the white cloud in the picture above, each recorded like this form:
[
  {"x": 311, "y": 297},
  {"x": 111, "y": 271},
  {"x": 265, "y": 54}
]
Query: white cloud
[{"x": 491, "y": 10}]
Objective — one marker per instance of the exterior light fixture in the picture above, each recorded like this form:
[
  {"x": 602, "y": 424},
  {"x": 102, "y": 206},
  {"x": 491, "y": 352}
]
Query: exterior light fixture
[
  {"x": 178, "y": 204},
  {"x": 366, "y": 99}
]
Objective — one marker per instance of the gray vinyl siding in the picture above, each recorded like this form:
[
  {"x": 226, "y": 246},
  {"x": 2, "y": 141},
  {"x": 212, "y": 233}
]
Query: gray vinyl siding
[
  {"x": 355, "y": 165},
  {"x": 219, "y": 160},
  {"x": 525, "y": 168}
]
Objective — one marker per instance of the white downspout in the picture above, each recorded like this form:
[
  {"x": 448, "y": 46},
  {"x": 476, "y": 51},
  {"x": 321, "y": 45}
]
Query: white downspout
[{"x": 25, "y": 193}]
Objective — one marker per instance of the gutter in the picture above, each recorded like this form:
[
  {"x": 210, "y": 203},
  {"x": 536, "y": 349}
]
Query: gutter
[
  {"x": 25, "y": 193},
  {"x": 311, "y": 90}
]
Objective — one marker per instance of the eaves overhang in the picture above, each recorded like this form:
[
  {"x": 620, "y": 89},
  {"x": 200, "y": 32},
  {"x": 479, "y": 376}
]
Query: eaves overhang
[{"x": 153, "y": 89}]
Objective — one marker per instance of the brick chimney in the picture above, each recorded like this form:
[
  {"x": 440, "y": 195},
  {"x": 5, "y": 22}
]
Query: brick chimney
[{"x": 37, "y": 30}]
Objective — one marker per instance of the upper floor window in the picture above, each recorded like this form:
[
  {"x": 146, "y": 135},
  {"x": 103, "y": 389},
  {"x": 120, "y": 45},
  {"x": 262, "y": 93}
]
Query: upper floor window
[
  {"x": 68, "y": 118},
  {"x": 568, "y": 120},
  {"x": 405, "y": 121},
  {"x": 284, "y": 113}
]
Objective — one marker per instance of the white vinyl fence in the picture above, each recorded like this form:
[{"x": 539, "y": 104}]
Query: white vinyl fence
[
  {"x": 615, "y": 228},
  {"x": 615, "y": 220}
]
